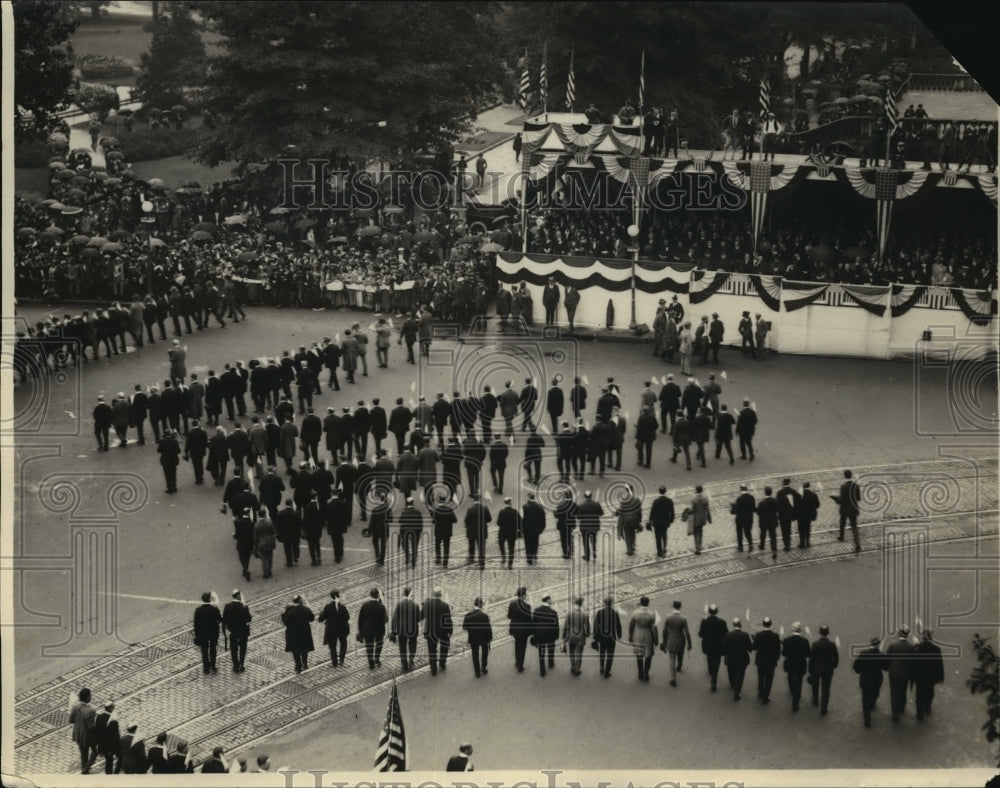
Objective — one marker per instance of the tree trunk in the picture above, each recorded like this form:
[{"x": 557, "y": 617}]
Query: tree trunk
[{"x": 804, "y": 66}]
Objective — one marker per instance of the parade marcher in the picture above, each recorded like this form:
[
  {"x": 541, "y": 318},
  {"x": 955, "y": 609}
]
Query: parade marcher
[
  {"x": 849, "y": 501},
  {"x": 372, "y": 618},
  {"x": 336, "y": 620},
  {"x": 297, "y": 619},
  {"x": 207, "y": 620},
  {"x": 645, "y": 434},
  {"x": 140, "y": 410},
  {"x": 156, "y": 757},
  {"x": 788, "y": 500},
  {"x": 169, "y": 450},
  {"x": 236, "y": 618},
  {"x": 550, "y": 300},
  {"x": 180, "y": 761},
  {"x": 215, "y": 764},
  {"x": 243, "y": 533},
  {"x": 823, "y": 660},
  {"x": 607, "y": 632},
  {"x": 477, "y": 518},
  {"x": 108, "y": 736},
  {"x": 736, "y": 648},
  {"x": 82, "y": 717},
  {"x": 405, "y": 628},
  {"x": 700, "y": 513},
  {"x": 767, "y": 646},
  {"x": 681, "y": 435},
  {"x": 521, "y": 626},
  {"x": 533, "y": 449},
  {"x": 870, "y": 664},
  {"x": 121, "y": 417},
  {"x": 411, "y": 526},
  {"x": 133, "y": 759},
  {"x": 746, "y": 426},
  {"x": 716, "y": 332},
  {"x": 338, "y": 520},
  {"x": 899, "y": 664},
  {"x": 438, "y": 628},
  {"x": 554, "y": 403},
  {"x": 509, "y": 403},
  {"x": 629, "y": 514},
  {"x": 288, "y": 528},
  {"x": 477, "y": 625},
  {"x": 927, "y": 670},
  {"x": 102, "y": 423},
  {"x": 313, "y": 521},
  {"x": 744, "y": 508},
  {"x": 532, "y": 526},
  {"x": 508, "y": 532},
  {"x": 195, "y": 448},
  {"x": 796, "y": 651},
  {"x": 545, "y": 624},
  {"x": 576, "y": 631},
  {"x": 767, "y": 516},
  {"x": 218, "y": 456},
  {"x": 808, "y": 509},
  {"x": 746, "y": 335},
  {"x": 712, "y": 632},
  {"x": 643, "y": 634},
  {"x": 498, "y": 455},
  {"x": 264, "y": 543},
  {"x": 701, "y": 429},
  {"x": 588, "y": 516},
  {"x": 675, "y": 635}
]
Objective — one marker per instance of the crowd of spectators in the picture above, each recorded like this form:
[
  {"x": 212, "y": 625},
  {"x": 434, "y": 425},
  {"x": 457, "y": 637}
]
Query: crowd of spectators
[{"x": 819, "y": 250}]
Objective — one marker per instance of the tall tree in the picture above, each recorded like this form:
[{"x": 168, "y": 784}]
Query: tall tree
[
  {"x": 43, "y": 63},
  {"x": 176, "y": 57},
  {"x": 351, "y": 79}
]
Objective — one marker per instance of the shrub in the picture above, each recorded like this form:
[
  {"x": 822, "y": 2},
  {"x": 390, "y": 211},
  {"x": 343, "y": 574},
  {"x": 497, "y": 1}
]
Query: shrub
[
  {"x": 146, "y": 144},
  {"x": 96, "y": 99},
  {"x": 32, "y": 153},
  {"x": 104, "y": 66}
]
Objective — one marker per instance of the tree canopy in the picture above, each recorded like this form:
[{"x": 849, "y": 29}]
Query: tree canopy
[
  {"x": 345, "y": 79},
  {"x": 43, "y": 62},
  {"x": 176, "y": 57}
]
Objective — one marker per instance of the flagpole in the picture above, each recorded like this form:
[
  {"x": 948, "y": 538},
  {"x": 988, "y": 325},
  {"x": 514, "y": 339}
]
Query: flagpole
[
  {"x": 570, "y": 83},
  {"x": 642, "y": 81},
  {"x": 545, "y": 79}
]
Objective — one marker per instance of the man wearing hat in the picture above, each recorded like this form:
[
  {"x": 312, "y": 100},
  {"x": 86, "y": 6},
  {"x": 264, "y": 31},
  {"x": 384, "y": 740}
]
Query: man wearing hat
[
  {"x": 670, "y": 402},
  {"x": 796, "y": 650},
  {"x": 108, "y": 738},
  {"x": 746, "y": 335},
  {"x": 849, "y": 500},
  {"x": 102, "y": 423},
  {"x": 169, "y": 450},
  {"x": 767, "y": 646},
  {"x": 298, "y": 619},
  {"x": 675, "y": 635},
  {"x": 675, "y": 311},
  {"x": 746, "y": 427},
  {"x": 736, "y": 648},
  {"x": 236, "y": 618},
  {"x": 588, "y": 517},
  {"x": 405, "y": 628},
  {"x": 712, "y": 632},
  {"x": 823, "y": 661},
  {"x": 550, "y": 300},
  {"x": 716, "y": 331},
  {"x": 685, "y": 344},
  {"x": 899, "y": 661},
  {"x": 438, "y": 627},
  {"x": 927, "y": 670},
  {"x": 480, "y": 631},
  {"x": 509, "y": 525},
  {"x": 336, "y": 619},
  {"x": 207, "y": 619},
  {"x": 461, "y": 762},
  {"x": 771, "y": 129},
  {"x": 215, "y": 764},
  {"x": 870, "y": 665},
  {"x": 372, "y": 618},
  {"x": 808, "y": 509},
  {"x": 411, "y": 526},
  {"x": 545, "y": 623},
  {"x": 788, "y": 500}
]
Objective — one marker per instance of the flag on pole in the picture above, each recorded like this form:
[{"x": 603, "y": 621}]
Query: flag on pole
[
  {"x": 765, "y": 97},
  {"x": 525, "y": 84},
  {"x": 391, "y": 753},
  {"x": 570, "y": 84},
  {"x": 891, "y": 113},
  {"x": 642, "y": 82},
  {"x": 543, "y": 82}
]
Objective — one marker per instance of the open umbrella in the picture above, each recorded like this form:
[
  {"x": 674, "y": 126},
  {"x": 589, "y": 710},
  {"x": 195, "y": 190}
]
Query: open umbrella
[
  {"x": 842, "y": 100},
  {"x": 247, "y": 257},
  {"x": 200, "y": 236},
  {"x": 65, "y": 175},
  {"x": 425, "y": 236},
  {"x": 305, "y": 224},
  {"x": 71, "y": 210},
  {"x": 120, "y": 235},
  {"x": 79, "y": 152},
  {"x": 191, "y": 184},
  {"x": 492, "y": 246},
  {"x": 123, "y": 112},
  {"x": 112, "y": 246},
  {"x": 55, "y": 230},
  {"x": 157, "y": 185},
  {"x": 275, "y": 227},
  {"x": 89, "y": 251},
  {"x": 130, "y": 175},
  {"x": 57, "y": 165},
  {"x": 370, "y": 230},
  {"x": 27, "y": 232},
  {"x": 97, "y": 241},
  {"x": 156, "y": 242},
  {"x": 74, "y": 196},
  {"x": 875, "y": 100},
  {"x": 58, "y": 136},
  {"x": 206, "y": 227},
  {"x": 364, "y": 213},
  {"x": 179, "y": 109},
  {"x": 502, "y": 219},
  {"x": 115, "y": 155},
  {"x": 394, "y": 210},
  {"x": 859, "y": 98},
  {"x": 840, "y": 148},
  {"x": 80, "y": 180},
  {"x": 47, "y": 237},
  {"x": 308, "y": 242},
  {"x": 55, "y": 207},
  {"x": 236, "y": 218},
  {"x": 279, "y": 210},
  {"x": 80, "y": 240},
  {"x": 109, "y": 142},
  {"x": 100, "y": 177},
  {"x": 113, "y": 182}
]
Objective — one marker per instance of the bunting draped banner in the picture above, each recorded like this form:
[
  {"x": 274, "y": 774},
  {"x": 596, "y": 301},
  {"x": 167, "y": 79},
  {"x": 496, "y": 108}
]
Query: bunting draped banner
[
  {"x": 885, "y": 186},
  {"x": 769, "y": 289},
  {"x": 625, "y": 140},
  {"x": 977, "y": 305},
  {"x": 583, "y": 272},
  {"x": 760, "y": 178},
  {"x": 904, "y": 297},
  {"x": 871, "y": 298},
  {"x": 800, "y": 294},
  {"x": 705, "y": 284}
]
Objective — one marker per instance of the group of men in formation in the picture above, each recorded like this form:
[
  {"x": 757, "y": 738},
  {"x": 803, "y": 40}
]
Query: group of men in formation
[{"x": 672, "y": 335}]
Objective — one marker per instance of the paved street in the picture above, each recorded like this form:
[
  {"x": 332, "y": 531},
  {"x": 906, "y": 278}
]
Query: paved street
[{"x": 887, "y": 420}]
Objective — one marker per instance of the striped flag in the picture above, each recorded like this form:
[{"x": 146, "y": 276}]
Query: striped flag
[
  {"x": 570, "y": 84},
  {"x": 391, "y": 753},
  {"x": 642, "y": 82},
  {"x": 765, "y": 97},
  {"x": 525, "y": 84},
  {"x": 891, "y": 113},
  {"x": 543, "y": 83}
]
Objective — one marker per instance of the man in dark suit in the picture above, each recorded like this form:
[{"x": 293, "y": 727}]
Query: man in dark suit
[
  {"x": 133, "y": 760},
  {"x": 239, "y": 445},
  {"x": 661, "y": 516},
  {"x": 823, "y": 661},
  {"x": 461, "y": 762},
  {"x": 438, "y": 627},
  {"x": 788, "y": 500},
  {"x": 157, "y": 754},
  {"x": 849, "y": 500},
  {"x": 207, "y": 619},
  {"x": 899, "y": 662},
  {"x": 746, "y": 426},
  {"x": 236, "y": 618},
  {"x": 521, "y": 626},
  {"x": 744, "y": 508},
  {"x": 298, "y": 619},
  {"x": 218, "y": 456},
  {"x": 588, "y": 517},
  {"x": 670, "y": 402},
  {"x": 578, "y": 398},
  {"x": 372, "y": 618},
  {"x": 681, "y": 434},
  {"x": 399, "y": 423},
  {"x": 195, "y": 448},
  {"x": 477, "y": 625},
  {"x": 527, "y": 400},
  {"x": 554, "y": 403},
  {"x": 508, "y": 532},
  {"x": 532, "y": 525},
  {"x": 927, "y": 670},
  {"x": 736, "y": 648},
  {"x": 796, "y": 650},
  {"x": 215, "y": 764},
  {"x": 336, "y": 619},
  {"x": 545, "y": 621},
  {"x": 870, "y": 665},
  {"x": 808, "y": 510},
  {"x": 169, "y": 450},
  {"x": 767, "y": 644},
  {"x": 477, "y": 518},
  {"x": 140, "y": 409},
  {"x": 550, "y": 300},
  {"x": 724, "y": 424},
  {"x": 767, "y": 516},
  {"x": 108, "y": 737},
  {"x": 405, "y": 627},
  {"x": 102, "y": 423}
]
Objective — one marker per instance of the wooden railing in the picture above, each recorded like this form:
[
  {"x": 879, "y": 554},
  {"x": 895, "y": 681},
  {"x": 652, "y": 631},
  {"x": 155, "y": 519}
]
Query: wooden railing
[{"x": 941, "y": 82}]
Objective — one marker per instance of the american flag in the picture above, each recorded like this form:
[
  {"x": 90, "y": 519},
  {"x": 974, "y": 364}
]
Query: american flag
[
  {"x": 543, "y": 84},
  {"x": 525, "y": 84},
  {"x": 891, "y": 113},
  {"x": 765, "y": 97},
  {"x": 391, "y": 753},
  {"x": 642, "y": 81},
  {"x": 570, "y": 84}
]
